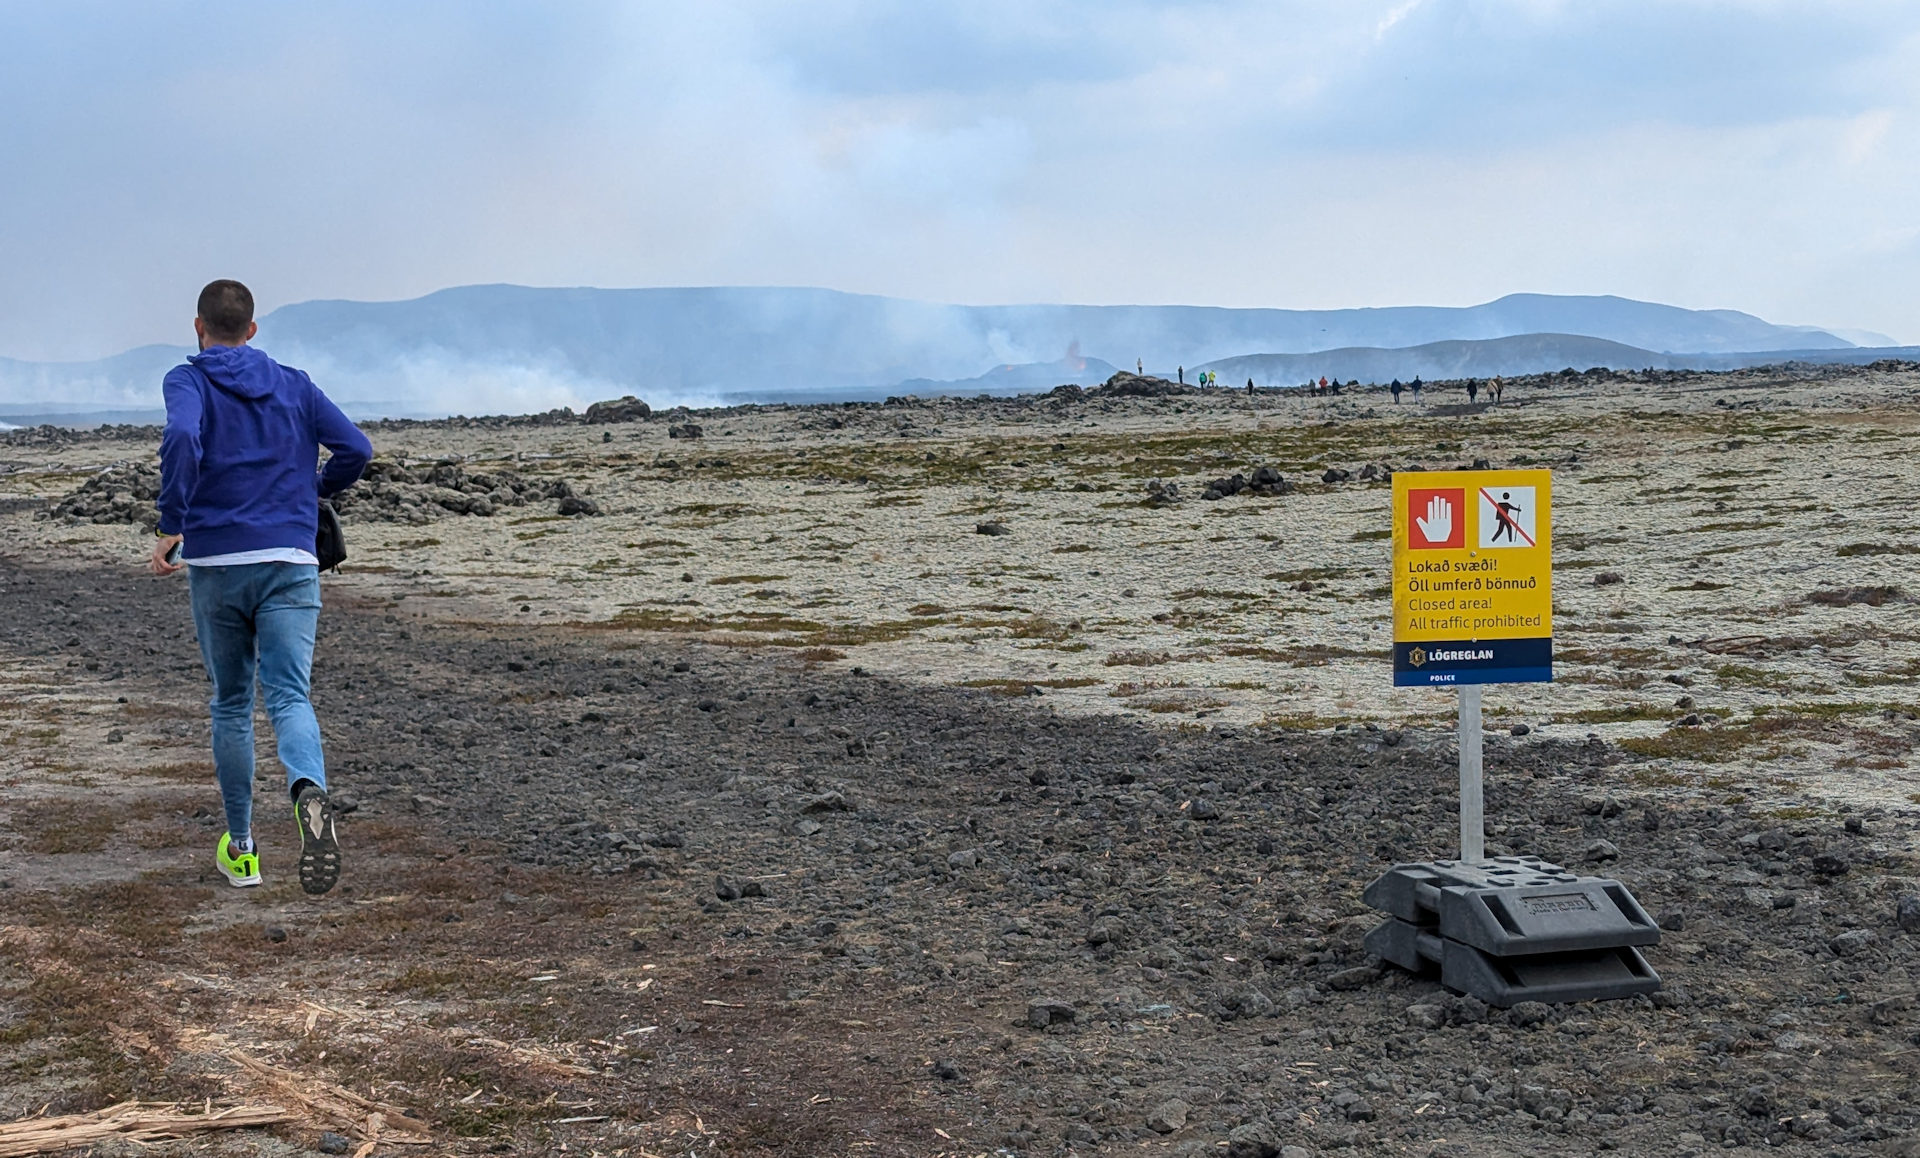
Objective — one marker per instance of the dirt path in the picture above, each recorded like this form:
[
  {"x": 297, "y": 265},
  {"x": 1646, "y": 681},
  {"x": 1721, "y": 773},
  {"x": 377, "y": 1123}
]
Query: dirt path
[{"x": 532, "y": 930}]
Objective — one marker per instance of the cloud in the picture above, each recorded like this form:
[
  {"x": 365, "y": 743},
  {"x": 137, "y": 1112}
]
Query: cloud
[{"x": 1245, "y": 152}]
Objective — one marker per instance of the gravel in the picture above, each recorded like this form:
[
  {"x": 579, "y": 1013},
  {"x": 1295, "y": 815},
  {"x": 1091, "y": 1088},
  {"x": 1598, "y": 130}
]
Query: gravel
[{"x": 979, "y": 843}]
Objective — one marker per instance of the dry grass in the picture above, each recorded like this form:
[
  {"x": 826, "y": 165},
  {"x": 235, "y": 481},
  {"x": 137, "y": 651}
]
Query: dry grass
[
  {"x": 1019, "y": 687},
  {"x": 1039, "y": 627},
  {"x": 1852, "y": 596},
  {"x": 136, "y": 1122},
  {"x": 1707, "y": 745},
  {"x": 1172, "y": 704},
  {"x": 1305, "y": 655},
  {"x": 63, "y": 826},
  {"x": 1855, "y": 549}
]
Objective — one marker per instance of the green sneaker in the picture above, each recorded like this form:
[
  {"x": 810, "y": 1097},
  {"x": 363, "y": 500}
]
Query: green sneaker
[
  {"x": 319, "y": 847},
  {"x": 242, "y": 871}
]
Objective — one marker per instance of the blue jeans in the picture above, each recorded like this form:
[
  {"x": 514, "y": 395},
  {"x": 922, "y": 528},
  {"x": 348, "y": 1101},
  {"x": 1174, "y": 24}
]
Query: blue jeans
[{"x": 259, "y": 618}]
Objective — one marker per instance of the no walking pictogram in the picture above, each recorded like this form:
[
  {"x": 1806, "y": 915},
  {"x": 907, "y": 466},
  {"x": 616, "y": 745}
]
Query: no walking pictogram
[{"x": 1507, "y": 517}]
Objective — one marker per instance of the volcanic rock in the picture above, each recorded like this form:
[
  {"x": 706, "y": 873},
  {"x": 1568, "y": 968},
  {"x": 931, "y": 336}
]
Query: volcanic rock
[
  {"x": 1045, "y": 1011},
  {"x": 1851, "y": 942},
  {"x": 1252, "y": 1140},
  {"x": 1168, "y": 1116},
  {"x": 1125, "y": 385},
  {"x": 1268, "y": 481},
  {"x": 625, "y": 409},
  {"x": 390, "y": 492},
  {"x": 121, "y": 494},
  {"x": 1221, "y": 488},
  {"x": 1162, "y": 494}
]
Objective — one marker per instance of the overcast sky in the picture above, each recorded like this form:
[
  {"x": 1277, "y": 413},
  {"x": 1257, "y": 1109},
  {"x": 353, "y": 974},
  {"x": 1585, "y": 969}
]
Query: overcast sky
[{"x": 1762, "y": 156}]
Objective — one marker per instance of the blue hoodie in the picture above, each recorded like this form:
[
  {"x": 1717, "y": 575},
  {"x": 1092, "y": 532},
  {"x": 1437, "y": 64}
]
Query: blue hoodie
[{"x": 238, "y": 456}]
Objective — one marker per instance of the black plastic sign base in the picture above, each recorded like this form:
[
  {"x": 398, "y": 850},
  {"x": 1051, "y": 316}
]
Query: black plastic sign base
[{"x": 1512, "y": 929}]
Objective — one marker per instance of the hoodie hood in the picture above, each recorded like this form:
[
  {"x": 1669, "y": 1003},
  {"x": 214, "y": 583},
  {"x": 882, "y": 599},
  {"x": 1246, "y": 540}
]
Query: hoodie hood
[{"x": 239, "y": 370}]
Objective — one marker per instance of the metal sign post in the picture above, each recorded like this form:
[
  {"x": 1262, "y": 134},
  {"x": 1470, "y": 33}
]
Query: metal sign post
[{"x": 1473, "y": 848}]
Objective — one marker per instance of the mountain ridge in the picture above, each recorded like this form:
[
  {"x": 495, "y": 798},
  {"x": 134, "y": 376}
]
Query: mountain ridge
[{"x": 504, "y": 348}]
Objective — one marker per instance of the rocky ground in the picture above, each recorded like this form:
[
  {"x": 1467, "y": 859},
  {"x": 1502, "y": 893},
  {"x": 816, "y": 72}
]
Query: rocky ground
[
  {"x": 655, "y": 878},
  {"x": 1742, "y": 540}
]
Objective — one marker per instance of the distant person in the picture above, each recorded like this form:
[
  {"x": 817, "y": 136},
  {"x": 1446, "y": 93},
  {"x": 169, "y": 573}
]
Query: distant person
[
  {"x": 240, "y": 495},
  {"x": 1495, "y": 389},
  {"x": 1249, "y": 387},
  {"x": 1473, "y": 391},
  {"x": 1415, "y": 387},
  {"x": 1140, "y": 367},
  {"x": 1323, "y": 383},
  {"x": 1182, "y": 371},
  {"x": 1395, "y": 388}
]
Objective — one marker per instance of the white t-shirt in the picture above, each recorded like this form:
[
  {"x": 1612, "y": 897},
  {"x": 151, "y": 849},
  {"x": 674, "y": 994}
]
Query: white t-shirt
[{"x": 241, "y": 558}]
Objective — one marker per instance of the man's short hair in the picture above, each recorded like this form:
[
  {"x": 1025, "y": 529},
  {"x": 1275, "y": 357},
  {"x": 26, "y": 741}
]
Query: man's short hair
[{"x": 226, "y": 307}]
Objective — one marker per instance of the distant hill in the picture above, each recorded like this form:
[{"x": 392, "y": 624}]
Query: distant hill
[
  {"x": 501, "y": 348},
  {"x": 1522, "y": 354}
]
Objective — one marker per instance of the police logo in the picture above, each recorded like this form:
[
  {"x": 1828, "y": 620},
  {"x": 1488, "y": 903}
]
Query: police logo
[{"x": 1417, "y": 657}]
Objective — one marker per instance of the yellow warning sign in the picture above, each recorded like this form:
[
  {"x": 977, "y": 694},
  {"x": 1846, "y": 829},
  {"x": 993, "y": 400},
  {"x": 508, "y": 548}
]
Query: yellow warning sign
[{"x": 1472, "y": 577}]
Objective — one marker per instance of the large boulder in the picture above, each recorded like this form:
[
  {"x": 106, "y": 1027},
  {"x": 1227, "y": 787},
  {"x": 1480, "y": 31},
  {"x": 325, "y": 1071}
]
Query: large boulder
[{"x": 627, "y": 409}]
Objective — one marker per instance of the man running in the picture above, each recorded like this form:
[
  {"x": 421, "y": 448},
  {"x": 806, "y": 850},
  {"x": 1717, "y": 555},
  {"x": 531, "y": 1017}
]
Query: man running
[{"x": 239, "y": 493}]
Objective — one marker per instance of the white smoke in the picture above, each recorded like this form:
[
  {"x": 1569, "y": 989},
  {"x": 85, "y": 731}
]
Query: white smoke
[{"x": 437, "y": 385}]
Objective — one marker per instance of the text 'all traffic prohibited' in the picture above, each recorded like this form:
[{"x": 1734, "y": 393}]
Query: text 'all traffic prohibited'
[{"x": 1472, "y": 577}]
